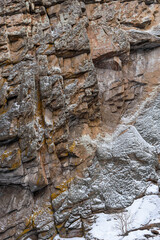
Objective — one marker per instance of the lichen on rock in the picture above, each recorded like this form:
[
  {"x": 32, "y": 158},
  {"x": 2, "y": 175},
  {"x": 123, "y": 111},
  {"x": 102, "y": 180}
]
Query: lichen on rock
[{"x": 79, "y": 112}]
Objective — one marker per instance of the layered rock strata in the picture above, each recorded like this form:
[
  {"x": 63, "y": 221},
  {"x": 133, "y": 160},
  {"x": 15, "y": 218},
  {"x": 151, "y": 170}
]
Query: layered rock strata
[{"x": 79, "y": 112}]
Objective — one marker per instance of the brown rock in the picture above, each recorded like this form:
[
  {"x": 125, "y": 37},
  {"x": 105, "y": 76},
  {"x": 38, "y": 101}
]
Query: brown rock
[{"x": 71, "y": 73}]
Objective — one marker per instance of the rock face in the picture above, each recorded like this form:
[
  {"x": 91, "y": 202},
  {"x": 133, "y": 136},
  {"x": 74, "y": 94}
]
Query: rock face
[{"x": 79, "y": 112}]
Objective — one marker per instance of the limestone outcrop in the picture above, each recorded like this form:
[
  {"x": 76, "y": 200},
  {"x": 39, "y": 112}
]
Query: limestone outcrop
[{"x": 79, "y": 112}]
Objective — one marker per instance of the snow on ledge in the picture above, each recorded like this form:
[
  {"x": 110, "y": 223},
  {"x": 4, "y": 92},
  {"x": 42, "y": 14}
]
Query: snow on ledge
[
  {"x": 143, "y": 211},
  {"x": 75, "y": 238}
]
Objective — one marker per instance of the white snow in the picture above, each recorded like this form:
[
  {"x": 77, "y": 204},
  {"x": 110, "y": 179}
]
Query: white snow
[
  {"x": 152, "y": 189},
  {"x": 75, "y": 238},
  {"x": 143, "y": 211},
  {"x": 105, "y": 227},
  {"x": 137, "y": 235}
]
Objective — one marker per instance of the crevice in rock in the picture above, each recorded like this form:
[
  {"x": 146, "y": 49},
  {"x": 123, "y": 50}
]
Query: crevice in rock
[{"x": 9, "y": 141}]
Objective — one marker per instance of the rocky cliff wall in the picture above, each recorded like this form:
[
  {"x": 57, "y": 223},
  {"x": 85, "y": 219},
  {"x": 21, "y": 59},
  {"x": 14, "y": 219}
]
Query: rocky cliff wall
[{"x": 79, "y": 112}]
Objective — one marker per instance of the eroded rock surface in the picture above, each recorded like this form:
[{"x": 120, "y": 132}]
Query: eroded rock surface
[{"x": 79, "y": 112}]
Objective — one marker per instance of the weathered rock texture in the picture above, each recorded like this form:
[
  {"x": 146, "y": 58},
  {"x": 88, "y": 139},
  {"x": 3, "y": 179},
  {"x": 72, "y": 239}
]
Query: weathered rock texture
[{"x": 79, "y": 112}]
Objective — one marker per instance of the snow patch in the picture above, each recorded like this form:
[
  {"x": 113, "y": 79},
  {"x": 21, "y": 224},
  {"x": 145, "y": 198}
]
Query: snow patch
[
  {"x": 152, "y": 189},
  {"x": 74, "y": 238},
  {"x": 143, "y": 211}
]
